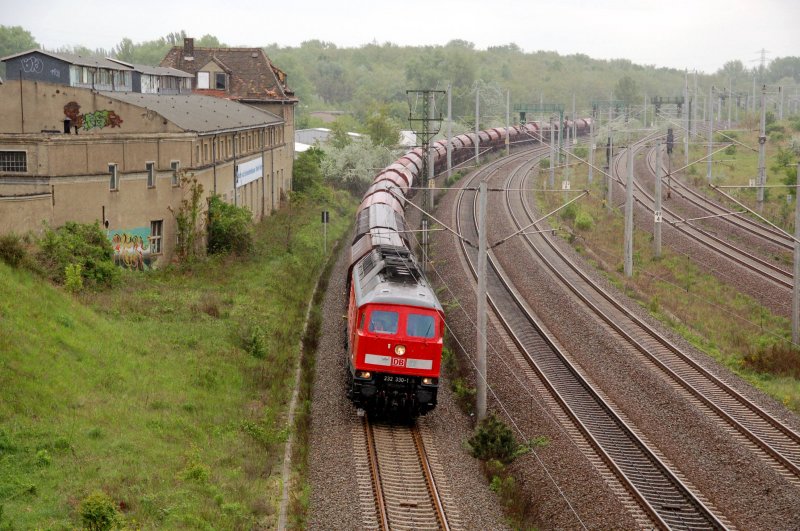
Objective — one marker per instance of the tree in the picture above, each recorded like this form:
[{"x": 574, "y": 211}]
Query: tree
[
  {"x": 627, "y": 91},
  {"x": 382, "y": 129},
  {"x": 733, "y": 69},
  {"x": 339, "y": 129},
  {"x": 783, "y": 67},
  {"x": 307, "y": 171},
  {"x": 14, "y": 39}
]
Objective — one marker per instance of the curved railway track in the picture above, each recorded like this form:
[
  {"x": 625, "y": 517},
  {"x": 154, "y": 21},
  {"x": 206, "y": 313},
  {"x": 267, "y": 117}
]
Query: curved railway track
[
  {"x": 766, "y": 434},
  {"x": 740, "y": 222},
  {"x": 394, "y": 466},
  {"x": 661, "y": 494},
  {"x": 745, "y": 259}
]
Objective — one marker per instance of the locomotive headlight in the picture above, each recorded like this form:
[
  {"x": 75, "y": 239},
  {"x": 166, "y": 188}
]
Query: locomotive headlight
[
  {"x": 428, "y": 381},
  {"x": 364, "y": 374},
  {"x": 400, "y": 350}
]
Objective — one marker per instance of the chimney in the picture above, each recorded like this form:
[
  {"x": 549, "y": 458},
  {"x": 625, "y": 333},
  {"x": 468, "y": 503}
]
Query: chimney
[{"x": 188, "y": 48}]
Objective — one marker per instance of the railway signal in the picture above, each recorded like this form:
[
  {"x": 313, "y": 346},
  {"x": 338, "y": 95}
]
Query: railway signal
[{"x": 670, "y": 141}]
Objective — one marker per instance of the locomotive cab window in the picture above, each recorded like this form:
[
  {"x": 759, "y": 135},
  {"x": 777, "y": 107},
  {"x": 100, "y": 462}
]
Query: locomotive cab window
[
  {"x": 383, "y": 322},
  {"x": 418, "y": 325}
]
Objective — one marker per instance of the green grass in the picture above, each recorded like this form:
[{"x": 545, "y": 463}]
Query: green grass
[
  {"x": 711, "y": 313},
  {"x": 148, "y": 393}
]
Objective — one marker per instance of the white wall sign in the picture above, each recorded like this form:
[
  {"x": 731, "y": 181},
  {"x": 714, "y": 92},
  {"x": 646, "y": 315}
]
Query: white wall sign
[{"x": 249, "y": 171}]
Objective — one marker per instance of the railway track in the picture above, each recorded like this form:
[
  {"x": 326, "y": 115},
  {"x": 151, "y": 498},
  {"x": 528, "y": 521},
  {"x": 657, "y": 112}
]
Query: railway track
[
  {"x": 763, "y": 433},
  {"x": 666, "y": 500},
  {"x": 396, "y": 477},
  {"x": 740, "y": 222},
  {"x": 734, "y": 253}
]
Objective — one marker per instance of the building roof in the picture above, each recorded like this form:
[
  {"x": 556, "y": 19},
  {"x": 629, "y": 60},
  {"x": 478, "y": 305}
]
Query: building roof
[
  {"x": 201, "y": 114},
  {"x": 153, "y": 70},
  {"x": 105, "y": 62},
  {"x": 253, "y": 77},
  {"x": 75, "y": 59}
]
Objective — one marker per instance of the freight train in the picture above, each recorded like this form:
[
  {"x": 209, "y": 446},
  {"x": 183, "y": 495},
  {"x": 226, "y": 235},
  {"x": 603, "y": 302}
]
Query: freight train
[{"x": 395, "y": 323}]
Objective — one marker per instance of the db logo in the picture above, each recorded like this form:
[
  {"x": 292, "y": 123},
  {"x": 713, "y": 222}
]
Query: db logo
[{"x": 398, "y": 362}]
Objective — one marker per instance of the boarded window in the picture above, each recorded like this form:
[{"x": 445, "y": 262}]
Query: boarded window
[
  {"x": 203, "y": 80},
  {"x": 151, "y": 174},
  {"x": 113, "y": 183}
]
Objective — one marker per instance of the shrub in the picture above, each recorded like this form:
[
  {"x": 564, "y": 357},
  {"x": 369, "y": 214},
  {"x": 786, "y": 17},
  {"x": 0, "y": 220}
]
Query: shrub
[
  {"x": 570, "y": 212},
  {"x": 730, "y": 150},
  {"x": 254, "y": 342},
  {"x": 230, "y": 228},
  {"x": 98, "y": 512},
  {"x": 581, "y": 151},
  {"x": 82, "y": 244},
  {"x": 12, "y": 250},
  {"x": 307, "y": 170},
  {"x": 584, "y": 221},
  {"x": 187, "y": 218},
  {"x": 73, "y": 280},
  {"x": 776, "y": 359},
  {"x": 493, "y": 439},
  {"x": 544, "y": 164}
]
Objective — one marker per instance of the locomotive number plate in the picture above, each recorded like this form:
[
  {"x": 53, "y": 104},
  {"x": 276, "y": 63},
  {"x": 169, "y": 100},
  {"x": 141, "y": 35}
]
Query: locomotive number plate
[{"x": 396, "y": 379}]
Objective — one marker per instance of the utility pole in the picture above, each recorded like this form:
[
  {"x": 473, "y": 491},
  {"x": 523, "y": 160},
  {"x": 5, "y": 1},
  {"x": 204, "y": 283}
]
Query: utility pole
[
  {"x": 591, "y": 147},
  {"x": 429, "y": 154},
  {"x": 762, "y": 149},
  {"x": 629, "y": 217},
  {"x": 574, "y": 123},
  {"x": 477, "y": 114},
  {"x": 508, "y": 121},
  {"x": 796, "y": 289},
  {"x": 565, "y": 184},
  {"x": 552, "y": 180},
  {"x": 710, "y": 131},
  {"x": 688, "y": 115},
  {"x": 425, "y": 122},
  {"x": 657, "y": 213},
  {"x": 609, "y": 181},
  {"x": 610, "y": 158},
  {"x": 780, "y": 107},
  {"x": 730, "y": 99},
  {"x": 644, "y": 118},
  {"x": 482, "y": 258},
  {"x": 449, "y": 128}
]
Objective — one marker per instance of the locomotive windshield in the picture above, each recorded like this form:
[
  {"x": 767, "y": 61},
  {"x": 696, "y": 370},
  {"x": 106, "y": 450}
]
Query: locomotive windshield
[
  {"x": 383, "y": 322},
  {"x": 420, "y": 326}
]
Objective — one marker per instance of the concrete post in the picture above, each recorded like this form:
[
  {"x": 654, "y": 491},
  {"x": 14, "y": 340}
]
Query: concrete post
[
  {"x": 657, "y": 214},
  {"x": 629, "y": 217},
  {"x": 482, "y": 308}
]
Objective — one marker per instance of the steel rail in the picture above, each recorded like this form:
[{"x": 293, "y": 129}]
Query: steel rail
[
  {"x": 740, "y": 221},
  {"x": 774, "y": 438},
  {"x": 666, "y": 500},
  {"x": 441, "y": 514},
  {"x": 747, "y": 260},
  {"x": 372, "y": 453}
]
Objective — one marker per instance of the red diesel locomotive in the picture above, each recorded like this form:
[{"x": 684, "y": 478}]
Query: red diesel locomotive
[{"x": 395, "y": 324}]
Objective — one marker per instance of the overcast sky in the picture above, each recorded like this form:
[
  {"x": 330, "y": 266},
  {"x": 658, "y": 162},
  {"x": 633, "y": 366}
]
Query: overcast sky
[{"x": 696, "y": 34}]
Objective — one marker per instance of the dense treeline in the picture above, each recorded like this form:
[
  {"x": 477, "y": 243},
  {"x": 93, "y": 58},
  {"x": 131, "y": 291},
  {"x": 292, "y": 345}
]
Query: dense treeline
[{"x": 373, "y": 78}]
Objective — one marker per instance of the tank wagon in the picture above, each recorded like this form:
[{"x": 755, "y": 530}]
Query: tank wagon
[{"x": 395, "y": 323}]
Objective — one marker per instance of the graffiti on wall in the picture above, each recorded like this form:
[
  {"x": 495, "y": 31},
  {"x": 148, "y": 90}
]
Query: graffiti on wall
[
  {"x": 132, "y": 248},
  {"x": 90, "y": 120},
  {"x": 32, "y": 65}
]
